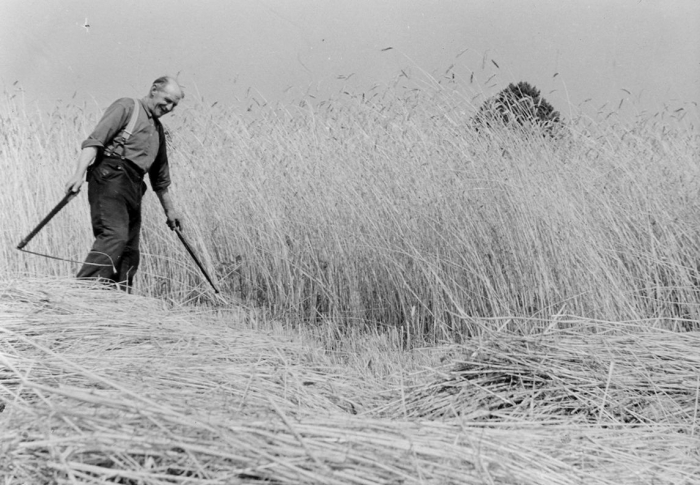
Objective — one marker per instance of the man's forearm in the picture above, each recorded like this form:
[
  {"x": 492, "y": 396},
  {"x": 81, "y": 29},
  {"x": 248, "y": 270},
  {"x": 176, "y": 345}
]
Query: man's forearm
[
  {"x": 174, "y": 218},
  {"x": 166, "y": 201},
  {"x": 86, "y": 157}
]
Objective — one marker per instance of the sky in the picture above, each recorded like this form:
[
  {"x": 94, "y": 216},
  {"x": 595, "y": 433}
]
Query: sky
[{"x": 645, "y": 52}]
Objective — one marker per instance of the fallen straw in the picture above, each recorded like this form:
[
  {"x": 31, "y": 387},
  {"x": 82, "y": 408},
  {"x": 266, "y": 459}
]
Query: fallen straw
[
  {"x": 101, "y": 386},
  {"x": 296, "y": 435}
]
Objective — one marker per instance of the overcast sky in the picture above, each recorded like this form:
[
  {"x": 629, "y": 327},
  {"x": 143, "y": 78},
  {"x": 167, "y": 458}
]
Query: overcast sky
[{"x": 278, "y": 48}]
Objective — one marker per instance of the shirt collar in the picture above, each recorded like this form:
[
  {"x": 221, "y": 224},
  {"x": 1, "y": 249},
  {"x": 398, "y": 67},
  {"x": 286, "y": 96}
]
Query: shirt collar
[{"x": 145, "y": 108}]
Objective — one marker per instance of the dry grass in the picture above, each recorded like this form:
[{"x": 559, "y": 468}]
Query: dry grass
[
  {"x": 103, "y": 387},
  {"x": 369, "y": 226},
  {"x": 590, "y": 373},
  {"x": 386, "y": 210}
]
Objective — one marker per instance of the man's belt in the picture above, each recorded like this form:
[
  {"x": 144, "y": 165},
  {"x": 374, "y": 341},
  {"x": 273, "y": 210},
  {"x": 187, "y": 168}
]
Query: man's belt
[{"x": 128, "y": 164}]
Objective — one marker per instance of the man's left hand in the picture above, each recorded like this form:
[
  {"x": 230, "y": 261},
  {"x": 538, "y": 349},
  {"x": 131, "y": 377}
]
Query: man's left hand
[{"x": 174, "y": 221}]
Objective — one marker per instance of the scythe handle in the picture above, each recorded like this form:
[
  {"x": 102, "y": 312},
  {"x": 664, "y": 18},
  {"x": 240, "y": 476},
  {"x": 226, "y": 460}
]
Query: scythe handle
[
  {"x": 195, "y": 258},
  {"x": 66, "y": 198}
]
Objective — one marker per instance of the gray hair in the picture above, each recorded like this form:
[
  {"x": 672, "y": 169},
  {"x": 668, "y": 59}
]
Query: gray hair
[{"x": 164, "y": 81}]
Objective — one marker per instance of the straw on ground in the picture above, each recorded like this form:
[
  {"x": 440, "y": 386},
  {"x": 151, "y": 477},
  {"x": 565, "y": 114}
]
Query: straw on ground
[{"x": 102, "y": 386}]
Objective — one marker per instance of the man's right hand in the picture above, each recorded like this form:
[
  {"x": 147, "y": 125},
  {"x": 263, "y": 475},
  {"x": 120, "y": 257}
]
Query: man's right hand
[{"x": 74, "y": 183}]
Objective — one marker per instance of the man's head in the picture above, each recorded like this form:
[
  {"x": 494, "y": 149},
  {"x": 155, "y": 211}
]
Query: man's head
[{"x": 164, "y": 95}]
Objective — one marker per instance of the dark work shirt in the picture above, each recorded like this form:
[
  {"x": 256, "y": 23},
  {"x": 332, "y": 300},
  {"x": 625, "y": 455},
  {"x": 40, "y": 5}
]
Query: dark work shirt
[{"x": 145, "y": 147}]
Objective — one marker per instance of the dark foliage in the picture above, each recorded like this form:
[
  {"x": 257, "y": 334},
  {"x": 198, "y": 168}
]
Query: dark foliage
[{"x": 519, "y": 104}]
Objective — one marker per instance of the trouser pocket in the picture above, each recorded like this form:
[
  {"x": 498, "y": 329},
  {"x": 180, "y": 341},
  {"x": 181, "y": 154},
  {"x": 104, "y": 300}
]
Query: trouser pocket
[{"x": 109, "y": 170}]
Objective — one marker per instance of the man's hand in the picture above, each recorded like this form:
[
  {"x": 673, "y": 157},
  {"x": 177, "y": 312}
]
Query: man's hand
[
  {"x": 74, "y": 183},
  {"x": 174, "y": 220}
]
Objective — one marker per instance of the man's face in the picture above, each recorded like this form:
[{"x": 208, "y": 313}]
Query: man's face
[{"x": 164, "y": 100}]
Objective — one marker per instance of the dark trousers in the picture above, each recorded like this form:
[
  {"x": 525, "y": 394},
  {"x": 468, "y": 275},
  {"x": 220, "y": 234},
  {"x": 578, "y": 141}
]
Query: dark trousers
[{"x": 115, "y": 190}]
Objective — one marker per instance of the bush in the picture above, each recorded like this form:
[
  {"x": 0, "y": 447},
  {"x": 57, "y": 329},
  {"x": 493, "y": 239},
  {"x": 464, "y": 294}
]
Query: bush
[{"x": 519, "y": 104}]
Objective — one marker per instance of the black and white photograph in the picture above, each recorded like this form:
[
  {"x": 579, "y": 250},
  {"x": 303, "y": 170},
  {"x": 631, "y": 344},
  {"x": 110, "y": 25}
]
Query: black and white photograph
[{"x": 350, "y": 242}]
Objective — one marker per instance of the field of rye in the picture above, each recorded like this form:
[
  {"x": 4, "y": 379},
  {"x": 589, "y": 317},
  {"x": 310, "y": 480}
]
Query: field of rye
[
  {"x": 388, "y": 211},
  {"x": 416, "y": 302}
]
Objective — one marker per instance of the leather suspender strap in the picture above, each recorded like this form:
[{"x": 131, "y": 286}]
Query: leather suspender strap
[
  {"x": 132, "y": 122},
  {"x": 126, "y": 132}
]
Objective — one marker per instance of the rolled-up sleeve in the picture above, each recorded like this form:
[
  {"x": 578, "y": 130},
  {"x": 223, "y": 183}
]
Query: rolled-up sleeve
[
  {"x": 114, "y": 118},
  {"x": 159, "y": 173}
]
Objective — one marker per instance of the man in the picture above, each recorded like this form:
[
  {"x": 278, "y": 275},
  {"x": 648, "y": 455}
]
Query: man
[{"x": 116, "y": 162}]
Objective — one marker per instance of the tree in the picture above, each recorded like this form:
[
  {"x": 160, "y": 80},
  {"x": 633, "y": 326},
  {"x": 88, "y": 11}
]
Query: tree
[{"x": 518, "y": 103}]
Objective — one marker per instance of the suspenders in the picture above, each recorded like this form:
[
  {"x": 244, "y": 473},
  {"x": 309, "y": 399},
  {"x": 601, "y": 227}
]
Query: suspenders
[{"x": 124, "y": 135}]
